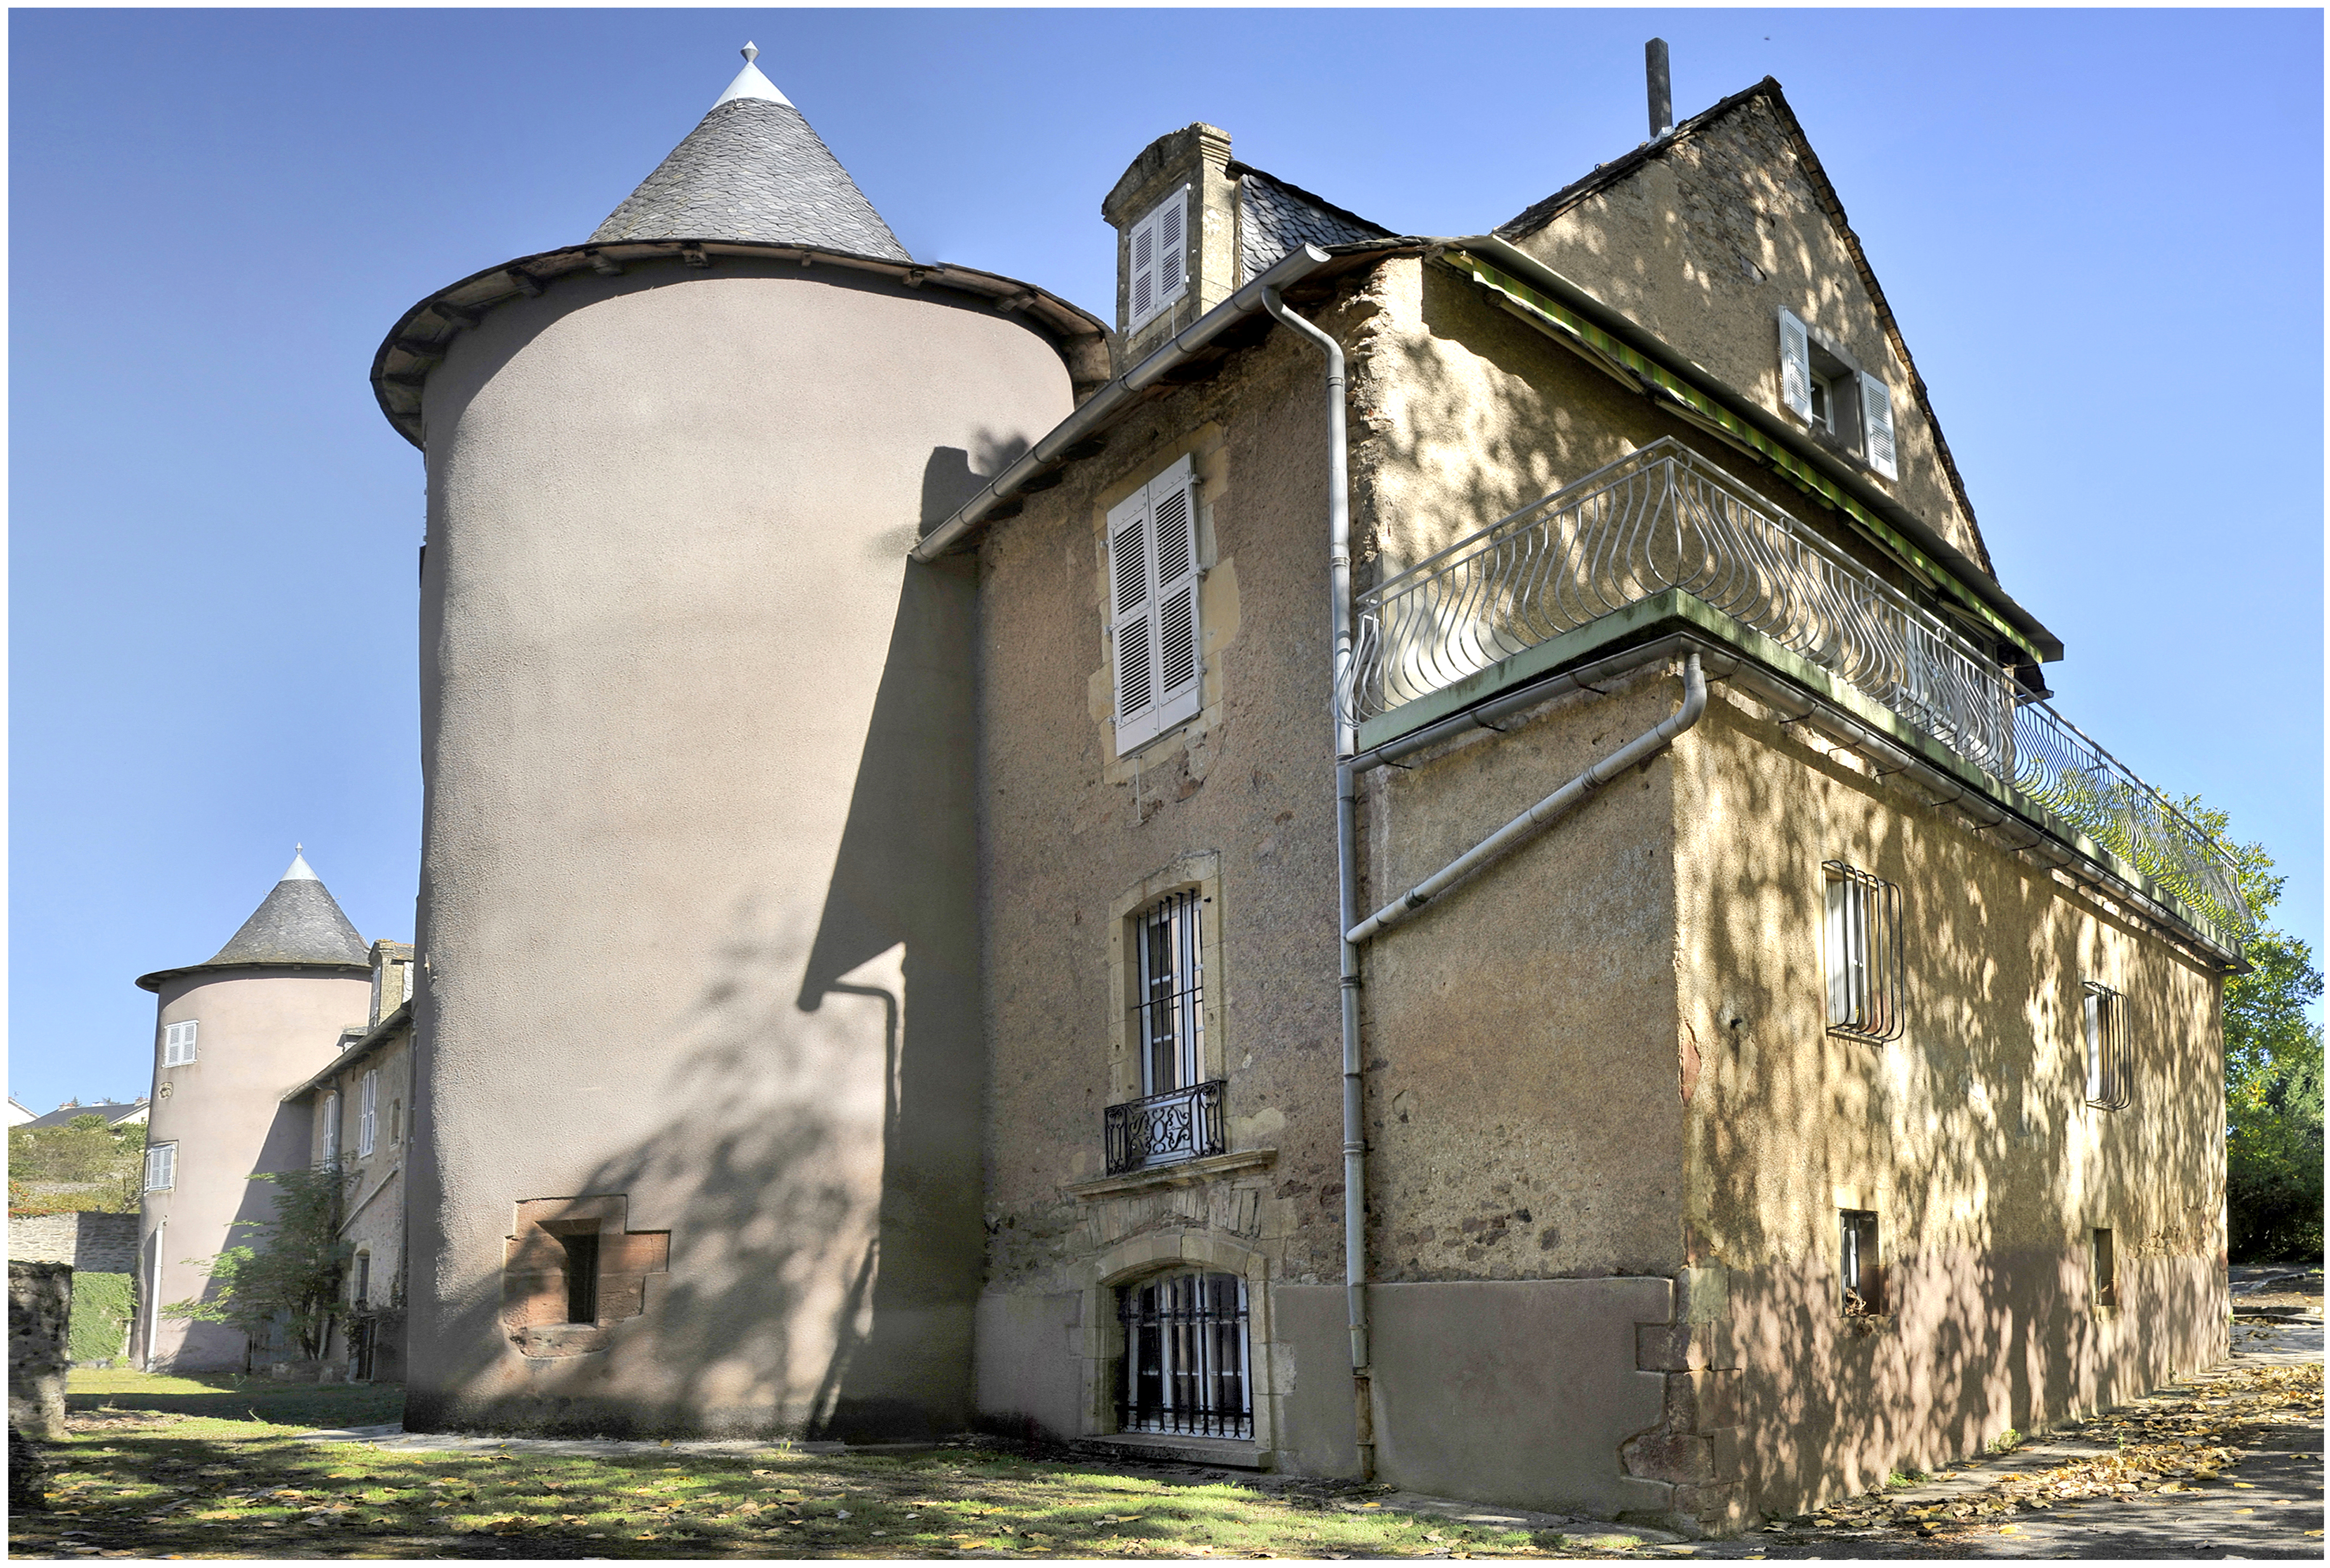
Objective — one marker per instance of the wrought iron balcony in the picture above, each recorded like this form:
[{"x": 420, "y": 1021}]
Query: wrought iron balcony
[
  {"x": 1165, "y": 1128},
  {"x": 1666, "y": 518}
]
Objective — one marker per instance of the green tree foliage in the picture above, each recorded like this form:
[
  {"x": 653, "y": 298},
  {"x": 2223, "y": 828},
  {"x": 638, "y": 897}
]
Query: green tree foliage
[
  {"x": 2273, "y": 1079},
  {"x": 82, "y": 1165},
  {"x": 289, "y": 1276},
  {"x": 100, "y": 1305}
]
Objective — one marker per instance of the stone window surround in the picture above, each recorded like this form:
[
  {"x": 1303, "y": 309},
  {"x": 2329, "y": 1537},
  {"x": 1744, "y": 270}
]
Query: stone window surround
[
  {"x": 1099, "y": 1345},
  {"x": 1200, "y": 871}
]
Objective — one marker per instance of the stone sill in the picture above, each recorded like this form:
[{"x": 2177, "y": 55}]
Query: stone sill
[
  {"x": 1226, "y": 1452},
  {"x": 1187, "y": 1172}
]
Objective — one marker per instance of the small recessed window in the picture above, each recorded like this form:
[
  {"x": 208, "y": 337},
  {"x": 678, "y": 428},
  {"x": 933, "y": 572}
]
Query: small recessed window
[
  {"x": 396, "y": 1121},
  {"x": 2103, "y": 1021},
  {"x": 1862, "y": 952},
  {"x": 1864, "y": 1293},
  {"x": 161, "y": 1168},
  {"x": 368, "y": 1113},
  {"x": 581, "y": 1276},
  {"x": 1846, "y": 407},
  {"x": 329, "y": 1137},
  {"x": 361, "y": 1293},
  {"x": 178, "y": 1043},
  {"x": 2106, "y": 1270}
]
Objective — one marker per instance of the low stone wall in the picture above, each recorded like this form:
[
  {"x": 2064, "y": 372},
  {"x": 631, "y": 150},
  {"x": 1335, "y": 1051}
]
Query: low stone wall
[
  {"x": 90, "y": 1240},
  {"x": 40, "y": 1312}
]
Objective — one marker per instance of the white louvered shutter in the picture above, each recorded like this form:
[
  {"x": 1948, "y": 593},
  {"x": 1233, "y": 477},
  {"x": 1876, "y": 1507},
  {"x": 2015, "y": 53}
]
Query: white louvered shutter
[
  {"x": 1141, "y": 293},
  {"x": 368, "y": 1113},
  {"x": 1171, "y": 222},
  {"x": 1173, "y": 524},
  {"x": 1876, "y": 425},
  {"x": 1796, "y": 366},
  {"x": 1132, "y": 625}
]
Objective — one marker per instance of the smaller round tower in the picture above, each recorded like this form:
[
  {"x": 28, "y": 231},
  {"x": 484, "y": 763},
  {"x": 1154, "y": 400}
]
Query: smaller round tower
[{"x": 231, "y": 1035}]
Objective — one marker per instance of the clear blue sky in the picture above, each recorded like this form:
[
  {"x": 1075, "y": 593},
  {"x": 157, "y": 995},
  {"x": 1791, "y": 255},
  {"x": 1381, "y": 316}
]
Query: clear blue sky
[{"x": 2101, "y": 231}]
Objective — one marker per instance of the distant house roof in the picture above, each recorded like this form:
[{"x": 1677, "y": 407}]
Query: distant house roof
[
  {"x": 1280, "y": 217},
  {"x": 753, "y": 170},
  {"x": 298, "y": 925},
  {"x": 115, "y": 1112}
]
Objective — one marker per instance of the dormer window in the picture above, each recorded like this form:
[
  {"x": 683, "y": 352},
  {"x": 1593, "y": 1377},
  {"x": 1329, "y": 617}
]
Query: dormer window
[
  {"x": 1157, "y": 261},
  {"x": 1846, "y": 407}
]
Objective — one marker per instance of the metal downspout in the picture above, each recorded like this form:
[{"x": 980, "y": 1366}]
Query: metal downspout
[
  {"x": 1542, "y": 814},
  {"x": 1355, "y": 1146}
]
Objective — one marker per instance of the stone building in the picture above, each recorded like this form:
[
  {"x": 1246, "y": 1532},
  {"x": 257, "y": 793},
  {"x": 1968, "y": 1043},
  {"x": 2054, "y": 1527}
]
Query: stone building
[
  {"x": 357, "y": 1109},
  {"x": 230, "y": 1035},
  {"x": 1437, "y": 857}
]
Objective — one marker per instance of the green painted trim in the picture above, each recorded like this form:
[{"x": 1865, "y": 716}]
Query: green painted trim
[
  {"x": 1674, "y": 609},
  {"x": 1575, "y": 331}
]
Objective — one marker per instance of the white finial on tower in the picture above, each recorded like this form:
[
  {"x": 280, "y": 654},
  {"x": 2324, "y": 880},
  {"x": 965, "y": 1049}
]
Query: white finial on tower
[
  {"x": 750, "y": 82},
  {"x": 299, "y": 871}
]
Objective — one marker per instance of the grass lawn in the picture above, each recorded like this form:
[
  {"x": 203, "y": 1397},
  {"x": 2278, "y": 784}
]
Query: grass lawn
[{"x": 208, "y": 1468}]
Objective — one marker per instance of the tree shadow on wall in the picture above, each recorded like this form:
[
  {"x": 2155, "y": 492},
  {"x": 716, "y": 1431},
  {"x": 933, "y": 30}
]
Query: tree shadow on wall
[{"x": 806, "y": 1293}]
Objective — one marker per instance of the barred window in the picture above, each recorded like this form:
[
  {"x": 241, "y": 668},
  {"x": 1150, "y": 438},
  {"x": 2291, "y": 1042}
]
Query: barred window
[
  {"x": 161, "y": 1168},
  {"x": 1178, "y": 1115},
  {"x": 1187, "y": 1357},
  {"x": 1863, "y": 1287},
  {"x": 1863, "y": 954},
  {"x": 2104, "y": 1024}
]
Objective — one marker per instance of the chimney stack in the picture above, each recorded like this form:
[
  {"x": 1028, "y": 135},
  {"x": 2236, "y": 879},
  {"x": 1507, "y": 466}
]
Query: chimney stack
[{"x": 1655, "y": 62}]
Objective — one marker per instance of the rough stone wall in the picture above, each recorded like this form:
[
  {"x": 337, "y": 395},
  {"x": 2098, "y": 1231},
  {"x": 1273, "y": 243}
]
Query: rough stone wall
[
  {"x": 40, "y": 1318},
  {"x": 1969, "y": 1136},
  {"x": 1706, "y": 242},
  {"x": 92, "y": 1241}
]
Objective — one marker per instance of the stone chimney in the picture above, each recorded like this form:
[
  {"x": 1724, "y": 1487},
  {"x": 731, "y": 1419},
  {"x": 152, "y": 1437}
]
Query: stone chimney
[
  {"x": 1168, "y": 273},
  {"x": 392, "y": 978}
]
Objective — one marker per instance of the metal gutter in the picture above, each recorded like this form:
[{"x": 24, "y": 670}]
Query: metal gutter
[
  {"x": 1805, "y": 462},
  {"x": 1116, "y": 399}
]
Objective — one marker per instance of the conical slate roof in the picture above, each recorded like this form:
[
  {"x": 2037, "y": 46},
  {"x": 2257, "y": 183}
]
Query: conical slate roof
[
  {"x": 299, "y": 923},
  {"x": 752, "y": 169}
]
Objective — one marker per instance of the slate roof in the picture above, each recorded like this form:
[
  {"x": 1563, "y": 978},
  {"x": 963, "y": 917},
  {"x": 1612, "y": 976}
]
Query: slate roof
[
  {"x": 114, "y": 1111},
  {"x": 753, "y": 170},
  {"x": 299, "y": 923},
  {"x": 1278, "y": 217}
]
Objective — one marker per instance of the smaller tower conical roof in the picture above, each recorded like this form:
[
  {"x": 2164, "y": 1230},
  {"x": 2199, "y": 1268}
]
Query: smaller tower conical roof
[
  {"x": 753, "y": 170},
  {"x": 299, "y": 924}
]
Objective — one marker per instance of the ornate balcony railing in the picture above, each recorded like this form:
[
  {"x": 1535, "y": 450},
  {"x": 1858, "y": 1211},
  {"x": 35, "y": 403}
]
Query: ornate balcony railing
[
  {"x": 1163, "y": 1129},
  {"x": 1665, "y": 518}
]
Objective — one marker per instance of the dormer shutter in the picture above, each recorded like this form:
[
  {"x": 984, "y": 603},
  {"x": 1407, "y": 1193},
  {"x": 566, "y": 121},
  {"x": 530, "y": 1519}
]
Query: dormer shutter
[
  {"x": 1796, "y": 366},
  {"x": 1158, "y": 263},
  {"x": 1152, "y": 566},
  {"x": 1876, "y": 425}
]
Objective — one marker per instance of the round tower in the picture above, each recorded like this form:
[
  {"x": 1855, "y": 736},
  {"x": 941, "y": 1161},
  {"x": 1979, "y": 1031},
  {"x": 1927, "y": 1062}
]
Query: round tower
[
  {"x": 231, "y": 1036},
  {"x": 699, "y": 1034}
]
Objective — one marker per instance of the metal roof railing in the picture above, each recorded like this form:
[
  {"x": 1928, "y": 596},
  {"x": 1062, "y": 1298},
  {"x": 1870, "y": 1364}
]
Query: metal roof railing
[{"x": 1665, "y": 518}]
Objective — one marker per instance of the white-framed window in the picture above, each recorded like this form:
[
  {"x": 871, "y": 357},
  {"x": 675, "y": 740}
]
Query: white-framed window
[
  {"x": 1188, "y": 1356},
  {"x": 367, "y": 1112},
  {"x": 1839, "y": 400},
  {"x": 1153, "y": 569},
  {"x": 161, "y": 1168},
  {"x": 178, "y": 1043},
  {"x": 2103, "y": 1027},
  {"x": 1861, "y": 953},
  {"x": 1157, "y": 261},
  {"x": 331, "y": 1138},
  {"x": 1180, "y": 1114}
]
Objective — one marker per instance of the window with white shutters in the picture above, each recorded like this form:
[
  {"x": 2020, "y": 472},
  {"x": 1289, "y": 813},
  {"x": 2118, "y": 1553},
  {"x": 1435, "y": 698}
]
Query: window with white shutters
[
  {"x": 1796, "y": 366},
  {"x": 368, "y": 1113},
  {"x": 1158, "y": 266},
  {"x": 331, "y": 1138},
  {"x": 1152, "y": 567},
  {"x": 178, "y": 1043},
  {"x": 161, "y": 1168},
  {"x": 1876, "y": 425}
]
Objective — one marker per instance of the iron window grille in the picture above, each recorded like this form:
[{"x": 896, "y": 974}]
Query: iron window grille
[
  {"x": 1863, "y": 954},
  {"x": 1863, "y": 1291},
  {"x": 2104, "y": 1025},
  {"x": 1187, "y": 1358},
  {"x": 161, "y": 1168},
  {"x": 178, "y": 1043},
  {"x": 1178, "y": 1115}
]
